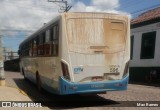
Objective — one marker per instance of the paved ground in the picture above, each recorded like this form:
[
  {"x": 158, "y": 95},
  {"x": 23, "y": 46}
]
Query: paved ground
[
  {"x": 15, "y": 95},
  {"x": 88, "y": 102}
]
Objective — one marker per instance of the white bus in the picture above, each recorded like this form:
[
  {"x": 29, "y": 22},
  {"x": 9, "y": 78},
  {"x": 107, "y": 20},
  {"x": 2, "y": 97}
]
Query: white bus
[
  {"x": 78, "y": 53},
  {"x": 2, "y": 76}
]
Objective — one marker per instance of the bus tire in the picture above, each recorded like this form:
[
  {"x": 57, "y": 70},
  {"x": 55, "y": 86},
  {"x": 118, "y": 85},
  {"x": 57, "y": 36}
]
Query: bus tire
[{"x": 38, "y": 81}]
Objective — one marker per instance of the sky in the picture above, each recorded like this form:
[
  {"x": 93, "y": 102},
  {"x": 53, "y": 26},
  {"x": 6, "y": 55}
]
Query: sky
[{"x": 20, "y": 18}]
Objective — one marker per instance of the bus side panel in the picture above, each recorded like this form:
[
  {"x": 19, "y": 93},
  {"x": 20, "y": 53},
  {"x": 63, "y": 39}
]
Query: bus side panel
[
  {"x": 50, "y": 68},
  {"x": 27, "y": 64}
]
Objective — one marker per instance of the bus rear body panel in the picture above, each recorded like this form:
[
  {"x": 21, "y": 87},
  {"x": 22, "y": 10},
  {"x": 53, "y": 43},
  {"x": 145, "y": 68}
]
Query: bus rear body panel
[
  {"x": 98, "y": 53},
  {"x": 97, "y": 46}
]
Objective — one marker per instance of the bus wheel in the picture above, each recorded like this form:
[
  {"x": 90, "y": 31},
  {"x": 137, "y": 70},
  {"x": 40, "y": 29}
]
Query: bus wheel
[
  {"x": 38, "y": 81},
  {"x": 24, "y": 74}
]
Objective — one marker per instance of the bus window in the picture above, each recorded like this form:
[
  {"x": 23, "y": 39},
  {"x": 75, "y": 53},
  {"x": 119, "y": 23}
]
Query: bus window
[
  {"x": 26, "y": 49},
  {"x": 41, "y": 39},
  {"x": 37, "y": 43},
  {"x": 23, "y": 50},
  {"x": 47, "y": 37},
  {"x": 55, "y": 40},
  {"x": 51, "y": 34},
  {"x": 34, "y": 47},
  {"x": 30, "y": 48},
  {"x": 54, "y": 32},
  {"x": 47, "y": 43},
  {"x": 41, "y": 46}
]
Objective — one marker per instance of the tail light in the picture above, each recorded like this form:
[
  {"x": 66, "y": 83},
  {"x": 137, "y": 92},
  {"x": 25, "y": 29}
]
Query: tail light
[
  {"x": 126, "y": 69},
  {"x": 65, "y": 71}
]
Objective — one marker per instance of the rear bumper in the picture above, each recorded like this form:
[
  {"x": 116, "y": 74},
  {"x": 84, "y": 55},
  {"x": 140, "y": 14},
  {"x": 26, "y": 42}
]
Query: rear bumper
[{"x": 67, "y": 87}]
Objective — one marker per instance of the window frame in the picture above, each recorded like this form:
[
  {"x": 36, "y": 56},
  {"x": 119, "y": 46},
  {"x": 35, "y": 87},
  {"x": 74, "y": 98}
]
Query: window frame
[
  {"x": 151, "y": 37},
  {"x": 132, "y": 47}
]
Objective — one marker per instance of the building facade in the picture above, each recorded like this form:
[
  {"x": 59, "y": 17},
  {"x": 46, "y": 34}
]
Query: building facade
[{"x": 145, "y": 47}]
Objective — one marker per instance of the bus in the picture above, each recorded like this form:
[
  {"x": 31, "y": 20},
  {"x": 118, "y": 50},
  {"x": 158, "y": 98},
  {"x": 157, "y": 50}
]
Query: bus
[
  {"x": 2, "y": 75},
  {"x": 78, "y": 53}
]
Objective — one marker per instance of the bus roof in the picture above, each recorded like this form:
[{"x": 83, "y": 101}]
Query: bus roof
[{"x": 58, "y": 17}]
